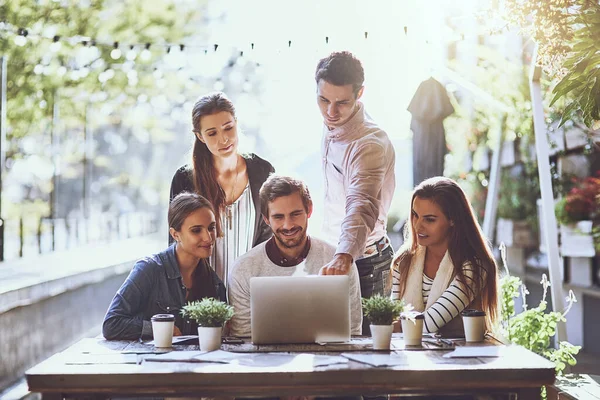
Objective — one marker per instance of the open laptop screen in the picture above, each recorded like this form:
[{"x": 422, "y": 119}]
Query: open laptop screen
[{"x": 307, "y": 309}]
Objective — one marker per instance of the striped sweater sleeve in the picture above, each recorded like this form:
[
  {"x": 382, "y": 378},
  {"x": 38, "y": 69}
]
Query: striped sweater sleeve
[
  {"x": 449, "y": 305},
  {"x": 395, "y": 284}
]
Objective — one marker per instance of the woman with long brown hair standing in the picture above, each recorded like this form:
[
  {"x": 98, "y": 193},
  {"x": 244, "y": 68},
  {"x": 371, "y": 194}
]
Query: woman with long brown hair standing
[
  {"x": 445, "y": 265},
  {"x": 229, "y": 180}
]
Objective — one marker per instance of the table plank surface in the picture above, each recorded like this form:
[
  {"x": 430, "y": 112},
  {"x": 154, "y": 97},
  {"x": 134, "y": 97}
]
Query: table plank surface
[{"x": 120, "y": 367}]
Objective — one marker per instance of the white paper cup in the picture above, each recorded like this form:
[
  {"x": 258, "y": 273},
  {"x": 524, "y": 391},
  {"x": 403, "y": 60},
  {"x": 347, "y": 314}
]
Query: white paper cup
[
  {"x": 412, "y": 330},
  {"x": 474, "y": 323},
  {"x": 162, "y": 329}
]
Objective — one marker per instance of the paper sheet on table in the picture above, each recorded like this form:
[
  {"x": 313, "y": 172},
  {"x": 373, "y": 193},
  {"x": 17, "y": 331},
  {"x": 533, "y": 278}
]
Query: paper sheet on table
[
  {"x": 91, "y": 359},
  {"x": 218, "y": 356},
  {"x": 378, "y": 360},
  {"x": 185, "y": 339},
  {"x": 175, "y": 356},
  {"x": 323, "y": 361},
  {"x": 307, "y": 361},
  {"x": 475, "y": 351}
]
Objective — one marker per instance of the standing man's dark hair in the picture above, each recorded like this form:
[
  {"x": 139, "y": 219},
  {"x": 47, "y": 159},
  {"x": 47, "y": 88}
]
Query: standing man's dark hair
[
  {"x": 340, "y": 69},
  {"x": 358, "y": 160}
]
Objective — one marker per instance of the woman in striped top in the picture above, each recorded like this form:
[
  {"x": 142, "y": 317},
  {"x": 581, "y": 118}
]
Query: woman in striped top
[
  {"x": 445, "y": 265},
  {"x": 229, "y": 180}
]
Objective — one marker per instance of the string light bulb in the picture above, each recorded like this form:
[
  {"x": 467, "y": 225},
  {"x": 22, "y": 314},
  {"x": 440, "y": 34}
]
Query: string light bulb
[
  {"x": 145, "y": 55},
  {"x": 131, "y": 54},
  {"x": 56, "y": 45},
  {"x": 20, "y": 40},
  {"x": 115, "y": 54}
]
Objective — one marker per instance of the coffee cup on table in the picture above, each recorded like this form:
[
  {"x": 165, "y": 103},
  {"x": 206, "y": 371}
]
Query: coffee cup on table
[
  {"x": 412, "y": 327},
  {"x": 162, "y": 329},
  {"x": 474, "y": 323}
]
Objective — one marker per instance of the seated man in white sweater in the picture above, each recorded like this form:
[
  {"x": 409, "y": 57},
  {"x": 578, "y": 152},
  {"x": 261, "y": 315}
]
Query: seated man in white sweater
[{"x": 285, "y": 206}]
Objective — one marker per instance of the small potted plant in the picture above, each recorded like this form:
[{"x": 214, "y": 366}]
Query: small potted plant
[
  {"x": 576, "y": 213},
  {"x": 382, "y": 312},
  {"x": 210, "y": 314}
]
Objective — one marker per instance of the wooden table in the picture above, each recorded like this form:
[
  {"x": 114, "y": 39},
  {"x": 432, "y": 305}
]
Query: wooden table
[
  {"x": 95, "y": 367},
  {"x": 575, "y": 386}
]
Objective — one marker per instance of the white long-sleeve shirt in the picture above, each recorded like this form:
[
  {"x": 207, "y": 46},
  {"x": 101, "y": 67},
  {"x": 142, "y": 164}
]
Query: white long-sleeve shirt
[{"x": 358, "y": 164}]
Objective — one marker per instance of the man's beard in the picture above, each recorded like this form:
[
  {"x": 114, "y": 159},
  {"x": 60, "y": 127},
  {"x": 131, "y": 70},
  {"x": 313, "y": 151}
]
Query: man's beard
[{"x": 288, "y": 243}]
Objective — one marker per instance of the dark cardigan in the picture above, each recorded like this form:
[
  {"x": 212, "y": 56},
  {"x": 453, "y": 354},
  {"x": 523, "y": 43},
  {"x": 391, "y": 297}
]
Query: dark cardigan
[{"x": 258, "y": 172}]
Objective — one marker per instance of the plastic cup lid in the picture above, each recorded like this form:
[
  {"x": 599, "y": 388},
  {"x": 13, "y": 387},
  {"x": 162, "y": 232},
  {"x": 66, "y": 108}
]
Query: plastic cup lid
[
  {"x": 472, "y": 313},
  {"x": 163, "y": 317}
]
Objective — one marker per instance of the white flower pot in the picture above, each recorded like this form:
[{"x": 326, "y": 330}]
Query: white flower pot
[
  {"x": 580, "y": 271},
  {"x": 481, "y": 158},
  {"x": 514, "y": 233},
  {"x": 542, "y": 230},
  {"x": 382, "y": 336},
  {"x": 576, "y": 240},
  {"x": 516, "y": 260},
  {"x": 412, "y": 331},
  {"x": 209, "y": 338},
  {"x": 508, "y": 156}
]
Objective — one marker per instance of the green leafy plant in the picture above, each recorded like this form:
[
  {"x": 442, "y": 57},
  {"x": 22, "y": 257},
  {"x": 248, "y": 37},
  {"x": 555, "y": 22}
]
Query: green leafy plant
[
  {"x": 520, "y": 191},
  {"x": 566, "y": 32},
  {"x": 208, "y": 312},
  {"x": 383, "y": 310},
  {"x": 534, "y": 328}
]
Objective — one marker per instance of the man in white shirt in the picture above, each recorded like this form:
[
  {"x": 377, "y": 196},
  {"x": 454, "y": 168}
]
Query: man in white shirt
[
  {"x": 286, "y": 207},
  {"x": 358, "y": 163}
]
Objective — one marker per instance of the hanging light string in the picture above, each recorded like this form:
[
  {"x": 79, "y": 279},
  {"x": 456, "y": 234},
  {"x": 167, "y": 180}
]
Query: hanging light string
[
  {"x": 26, "y": 33},
  {"x": 128, "y": 50}
]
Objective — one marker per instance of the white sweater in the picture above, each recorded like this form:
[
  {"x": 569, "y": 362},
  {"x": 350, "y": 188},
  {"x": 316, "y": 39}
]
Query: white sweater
[{"x": 257, "y": 263}]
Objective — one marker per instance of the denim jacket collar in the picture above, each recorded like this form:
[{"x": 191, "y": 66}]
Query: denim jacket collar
[{"x": 171, "y": 265}]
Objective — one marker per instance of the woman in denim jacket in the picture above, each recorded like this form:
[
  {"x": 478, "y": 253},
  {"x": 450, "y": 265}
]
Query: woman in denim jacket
[{"x": 165, "y": 281}]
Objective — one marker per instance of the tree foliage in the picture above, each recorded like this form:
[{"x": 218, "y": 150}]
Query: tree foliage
[
  {"x": 59, "y": 54},
  {"x": 567, "y": 33},
  {"x": 59, "y": 62},
  {"x": 78, "y": 70}
]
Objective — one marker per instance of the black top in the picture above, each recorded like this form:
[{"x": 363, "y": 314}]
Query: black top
[{"x": 258, "y": 171}]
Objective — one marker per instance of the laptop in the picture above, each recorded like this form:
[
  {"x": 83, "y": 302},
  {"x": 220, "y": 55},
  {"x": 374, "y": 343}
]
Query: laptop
[{"x": 308, "y": 309}]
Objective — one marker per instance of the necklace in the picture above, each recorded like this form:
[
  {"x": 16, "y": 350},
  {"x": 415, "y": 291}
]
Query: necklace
[{"x": 228, "y": 207}]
